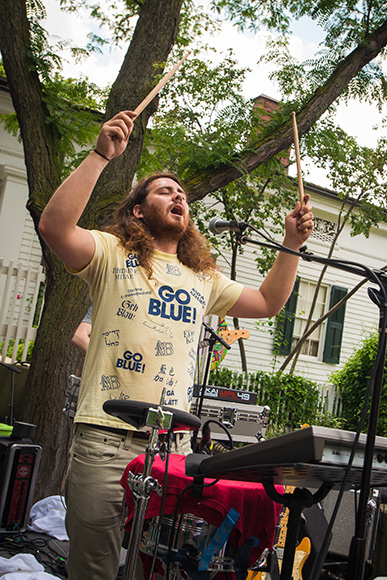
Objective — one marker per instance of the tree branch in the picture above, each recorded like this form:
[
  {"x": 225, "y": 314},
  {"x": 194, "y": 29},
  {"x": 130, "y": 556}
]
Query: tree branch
[{"x": 281, "y": 139}]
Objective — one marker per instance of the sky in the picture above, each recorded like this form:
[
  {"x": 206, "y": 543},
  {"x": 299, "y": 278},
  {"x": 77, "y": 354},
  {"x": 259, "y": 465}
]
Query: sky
[{"x": 357, "y": 119}]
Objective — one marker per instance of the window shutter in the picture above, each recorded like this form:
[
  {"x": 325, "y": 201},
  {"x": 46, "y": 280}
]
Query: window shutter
[
  {"x": 335, "y": 327},
  {"x": 285, "y": 322}
]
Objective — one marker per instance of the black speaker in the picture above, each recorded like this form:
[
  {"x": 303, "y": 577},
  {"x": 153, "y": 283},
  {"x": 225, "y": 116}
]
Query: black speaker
[
  {"x": 19, "y": 463},
  {"x": 345, "y": 522}
]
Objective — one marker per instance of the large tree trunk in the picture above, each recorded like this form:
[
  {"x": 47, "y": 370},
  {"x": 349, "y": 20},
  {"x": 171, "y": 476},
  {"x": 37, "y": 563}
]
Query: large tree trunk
[{"x": 66, "y": 298}]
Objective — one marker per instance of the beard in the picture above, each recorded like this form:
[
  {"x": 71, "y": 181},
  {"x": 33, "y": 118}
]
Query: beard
[{"x": 162, "y": 229}]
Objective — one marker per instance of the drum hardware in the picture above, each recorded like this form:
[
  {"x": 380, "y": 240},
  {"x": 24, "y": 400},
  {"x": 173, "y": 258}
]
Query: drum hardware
[
  {"x": 140, "y": 414},
  {"x": 142, "y": 486},
  {"x": 190, "y": 536}
]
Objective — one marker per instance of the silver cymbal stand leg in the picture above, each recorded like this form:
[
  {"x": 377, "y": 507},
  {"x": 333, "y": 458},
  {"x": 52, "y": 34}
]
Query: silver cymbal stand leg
[{"x": 143, "y": 485}]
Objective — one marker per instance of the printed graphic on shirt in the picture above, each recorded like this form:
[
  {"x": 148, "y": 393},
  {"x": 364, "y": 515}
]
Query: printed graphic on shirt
[
  {"x": 131, "y": 269},
  {"x": 189, "y": 336},
  {"x": 173, "y": 305},
  {"x": 191, "y": 370},
  {"x": 132, "y": 261},
  {"x": 112, "y": 337},
  {"x": 190, "y": 394},
  {"x": 170, "y": 397},
  {"x": 172, "y": 270},
  {"x": 159, "y": 327},
  {"x": 109, "y": 382},
  {"x": 199, "y": 297},
  {"x": 164, "y": 348},
  {"x": 135, "y": 292},
  {"x": 122, "y": 397},
  {"x": 166, "y": 376},
  {"x": 127, "y": 309},
  {"x": 192, "y": 354},
  {"x": 131, "y": 361}
]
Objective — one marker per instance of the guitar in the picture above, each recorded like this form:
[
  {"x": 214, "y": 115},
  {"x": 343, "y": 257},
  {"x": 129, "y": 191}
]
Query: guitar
[
  {"x": 230, "y": 336},
  {"x": 300, "y": 556}
]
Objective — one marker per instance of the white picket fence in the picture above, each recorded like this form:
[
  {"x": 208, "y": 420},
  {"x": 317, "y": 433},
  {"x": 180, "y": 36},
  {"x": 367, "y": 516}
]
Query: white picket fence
[{"x": 19, "y": 288}]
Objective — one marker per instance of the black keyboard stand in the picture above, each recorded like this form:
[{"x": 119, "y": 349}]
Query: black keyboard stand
[{"x": 296, "y": 502}]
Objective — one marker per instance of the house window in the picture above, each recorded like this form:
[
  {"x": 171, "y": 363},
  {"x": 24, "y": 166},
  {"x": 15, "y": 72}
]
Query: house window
[
  {"x": 292, "y": 321},
  {"x": 305, "y": 297}
]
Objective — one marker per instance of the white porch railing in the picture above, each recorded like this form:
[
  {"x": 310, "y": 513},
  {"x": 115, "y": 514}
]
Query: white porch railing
[{"x": 19, "y": 289}]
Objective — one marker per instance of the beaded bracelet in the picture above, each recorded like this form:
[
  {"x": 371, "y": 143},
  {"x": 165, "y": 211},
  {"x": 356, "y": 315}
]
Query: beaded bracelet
[{"x": 101, "y": 155}]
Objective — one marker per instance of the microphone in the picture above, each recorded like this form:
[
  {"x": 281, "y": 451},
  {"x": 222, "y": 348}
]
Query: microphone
[{"x": 218, "y": 226}]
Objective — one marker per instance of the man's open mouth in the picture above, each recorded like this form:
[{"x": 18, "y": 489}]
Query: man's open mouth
[{"x": 177, "y": 210}]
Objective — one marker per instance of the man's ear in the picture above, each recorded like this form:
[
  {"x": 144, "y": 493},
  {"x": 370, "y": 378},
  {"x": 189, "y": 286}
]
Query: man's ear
[{"x": 137, "y": 211}]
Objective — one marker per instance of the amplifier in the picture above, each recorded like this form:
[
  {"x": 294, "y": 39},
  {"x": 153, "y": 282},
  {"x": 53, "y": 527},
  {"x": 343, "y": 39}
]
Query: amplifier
[
  {"x": 237, "y": 410},
  {"x": 19, "y": 463},
  {"x": 345, "y": 522}
]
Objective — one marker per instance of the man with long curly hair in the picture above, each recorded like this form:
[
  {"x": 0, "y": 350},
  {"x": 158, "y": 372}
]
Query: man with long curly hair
[{"x": 152, "y": 279}]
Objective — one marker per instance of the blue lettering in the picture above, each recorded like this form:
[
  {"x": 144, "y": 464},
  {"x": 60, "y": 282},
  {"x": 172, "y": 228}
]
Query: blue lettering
[
  {"x": 130, "y": 365},
  {"x": 176, "y": 316},
  {"x": 181, "y": 296},
  {"x": 166, "y": 293},
  {"x": 169, "y": 310},
  {"x": 154, "y": 307}
]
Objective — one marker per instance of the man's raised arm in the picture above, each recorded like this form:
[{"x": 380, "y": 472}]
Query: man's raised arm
[
  {"x": 58, "y": 223},
  {"x": 268, "y": 300}
]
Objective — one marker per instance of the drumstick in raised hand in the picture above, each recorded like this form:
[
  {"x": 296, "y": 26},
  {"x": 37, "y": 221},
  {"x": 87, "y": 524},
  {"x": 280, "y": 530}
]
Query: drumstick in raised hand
[
  {"x": 298, "y": 160},
  {"x": 160, "y": 85}
]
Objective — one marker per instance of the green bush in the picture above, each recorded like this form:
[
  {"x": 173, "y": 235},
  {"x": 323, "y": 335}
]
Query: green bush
[
  {"x": 352, "y": 382},
  {"x": 20, "y": 348}
]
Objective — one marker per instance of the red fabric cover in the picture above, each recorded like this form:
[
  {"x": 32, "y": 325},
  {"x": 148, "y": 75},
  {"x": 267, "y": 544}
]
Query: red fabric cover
[{"x": 258, "y": 513}]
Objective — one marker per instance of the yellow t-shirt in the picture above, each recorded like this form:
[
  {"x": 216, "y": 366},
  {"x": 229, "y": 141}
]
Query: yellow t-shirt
[{"x": 144, "y": 332}]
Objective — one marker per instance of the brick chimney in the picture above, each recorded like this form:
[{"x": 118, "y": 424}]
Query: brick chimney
[{"x": 269, "y": 106}]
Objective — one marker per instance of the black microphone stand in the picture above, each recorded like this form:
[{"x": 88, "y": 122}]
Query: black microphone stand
[
  {"x": 356, "y": 563},
  {"x": 212, "y": 340}
]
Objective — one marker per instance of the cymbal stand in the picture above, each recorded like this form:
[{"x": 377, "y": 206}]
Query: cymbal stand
[{"x": 143, "y": 485}]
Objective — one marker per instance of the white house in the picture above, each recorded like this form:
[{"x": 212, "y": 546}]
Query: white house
[{"x": 18, "y": 240}]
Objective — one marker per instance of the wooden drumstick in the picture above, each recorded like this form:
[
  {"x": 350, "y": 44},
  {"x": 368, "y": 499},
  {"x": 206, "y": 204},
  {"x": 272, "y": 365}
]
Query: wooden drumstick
[
  {"x": 160, "y": 85},
  {"x": 298, "y": 161}
]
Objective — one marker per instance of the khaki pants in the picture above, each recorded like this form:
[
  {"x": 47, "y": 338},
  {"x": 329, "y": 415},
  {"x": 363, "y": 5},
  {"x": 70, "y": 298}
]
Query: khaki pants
[{"x": 94, "y": 499}]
